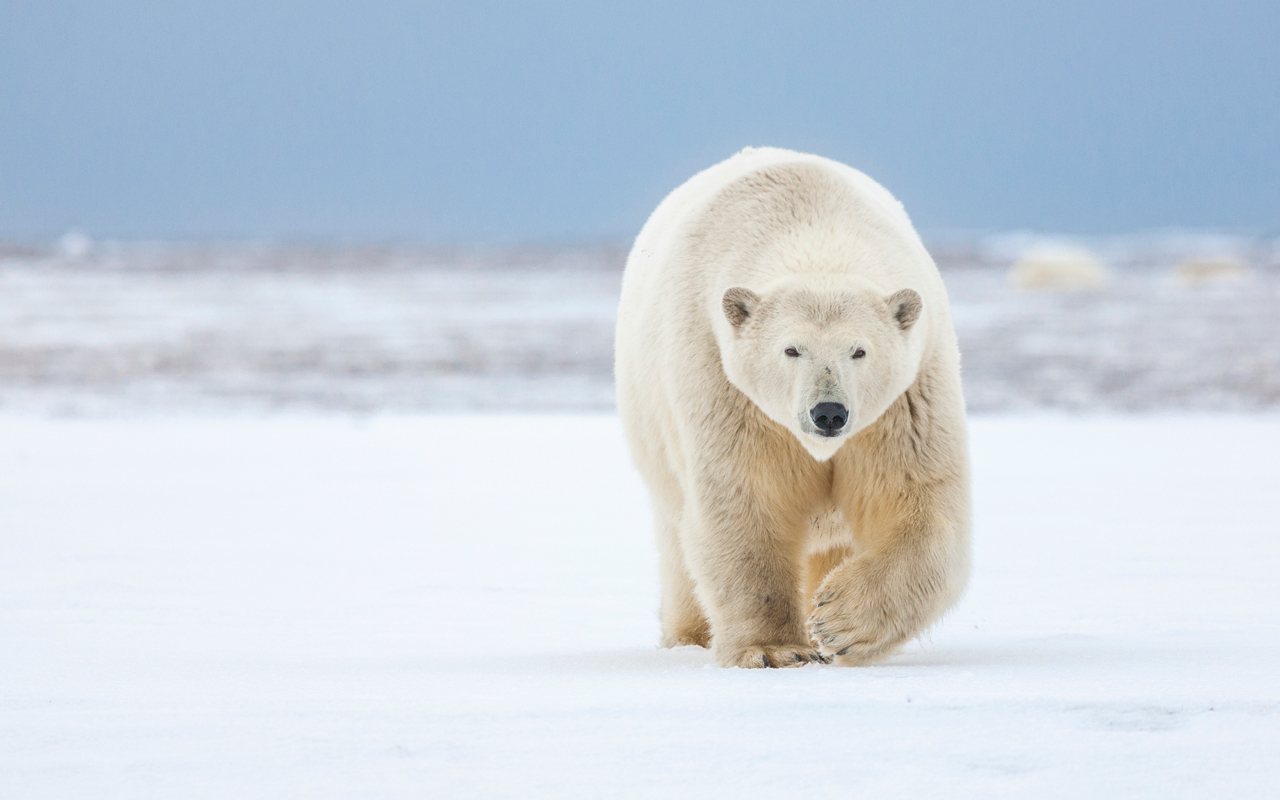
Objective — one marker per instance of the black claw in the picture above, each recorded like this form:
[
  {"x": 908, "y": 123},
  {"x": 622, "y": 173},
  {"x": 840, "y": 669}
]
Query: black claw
[{"x": 765, "y": 656}]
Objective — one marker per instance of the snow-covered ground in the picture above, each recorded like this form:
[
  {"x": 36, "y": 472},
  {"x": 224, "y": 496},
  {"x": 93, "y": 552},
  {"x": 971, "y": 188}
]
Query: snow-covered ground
[
  {"x": 200, "y": 599},
  {"x": 314, "y": 606},
  {"x": 248, "y": 329},
  {"x": 134, "y": 328}
]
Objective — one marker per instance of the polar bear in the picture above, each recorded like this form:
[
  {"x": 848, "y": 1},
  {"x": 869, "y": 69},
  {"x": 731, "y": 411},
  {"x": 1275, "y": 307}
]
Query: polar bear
[{"x": 789, "y": 382}]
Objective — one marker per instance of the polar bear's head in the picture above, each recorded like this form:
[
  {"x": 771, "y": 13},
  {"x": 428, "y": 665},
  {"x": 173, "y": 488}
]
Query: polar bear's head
[{"x": 822, "y": 356}]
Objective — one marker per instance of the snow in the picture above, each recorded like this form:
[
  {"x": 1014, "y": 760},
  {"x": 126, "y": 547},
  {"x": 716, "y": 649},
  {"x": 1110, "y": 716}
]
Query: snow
[{"x": 408, "y": 606}]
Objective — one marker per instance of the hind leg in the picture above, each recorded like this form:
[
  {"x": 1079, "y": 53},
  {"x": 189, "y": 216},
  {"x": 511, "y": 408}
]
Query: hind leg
[
  {"x": 683, "y": 621},
  {"x": 818, "y": 566}
]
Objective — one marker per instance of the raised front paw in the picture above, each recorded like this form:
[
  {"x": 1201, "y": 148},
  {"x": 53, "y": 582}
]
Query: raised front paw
[
  {"x": 856, "y": 619},
  {"x": 782, "y": 655}
]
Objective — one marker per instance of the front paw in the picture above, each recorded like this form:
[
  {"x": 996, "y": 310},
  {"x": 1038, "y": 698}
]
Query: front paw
[
  {"x": 781, "y": 655},
  {"x": 857, "y": 618}
]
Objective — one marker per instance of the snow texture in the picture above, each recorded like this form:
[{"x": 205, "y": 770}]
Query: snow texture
[
  {"x": 309, "y": 606},
  {"x": 128, "y": 328}
]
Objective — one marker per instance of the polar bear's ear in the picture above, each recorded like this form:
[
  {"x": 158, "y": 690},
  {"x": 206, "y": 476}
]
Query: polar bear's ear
[
  {"x": 905, "y": 306},
  {"x": 739, "y": 303}
]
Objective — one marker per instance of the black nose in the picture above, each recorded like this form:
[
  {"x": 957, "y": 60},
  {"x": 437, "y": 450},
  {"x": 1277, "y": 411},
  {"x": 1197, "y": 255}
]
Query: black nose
[{"x": 829, "y": 417}]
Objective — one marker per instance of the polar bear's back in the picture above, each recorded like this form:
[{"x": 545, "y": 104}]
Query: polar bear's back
[
  {"x": 670, "y": 291},
  {"x": 683, "y": 207}
]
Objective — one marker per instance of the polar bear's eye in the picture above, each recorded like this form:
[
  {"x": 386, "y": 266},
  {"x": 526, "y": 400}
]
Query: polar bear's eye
[
  {"x": 794, "y": 353},
  {"x": 859, "y": 353}
]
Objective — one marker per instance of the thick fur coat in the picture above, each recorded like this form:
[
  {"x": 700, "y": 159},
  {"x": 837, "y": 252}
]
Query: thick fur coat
[{"x": 762, "y": 294}]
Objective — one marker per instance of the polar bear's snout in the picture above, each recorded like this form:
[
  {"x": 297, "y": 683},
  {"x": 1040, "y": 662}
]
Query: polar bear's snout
[{"x": 829, "y": 417}]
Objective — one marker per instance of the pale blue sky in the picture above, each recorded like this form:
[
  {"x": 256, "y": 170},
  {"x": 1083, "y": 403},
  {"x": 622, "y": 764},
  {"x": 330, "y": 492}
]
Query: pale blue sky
[{"x": 508, "y": 122}]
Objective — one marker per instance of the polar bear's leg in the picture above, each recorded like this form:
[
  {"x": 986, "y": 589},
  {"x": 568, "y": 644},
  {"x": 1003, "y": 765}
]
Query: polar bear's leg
[
  {"x": 903, "y": 485},
  {"x": 819, "y": 566},
  {"x": 746, "y": 560},
  {"x": 829, "y": 543},
  {"x": 683, "y": 621}
]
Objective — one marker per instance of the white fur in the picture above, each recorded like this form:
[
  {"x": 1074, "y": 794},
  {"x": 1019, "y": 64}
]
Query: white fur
[{"x": 761, "y": 522}]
